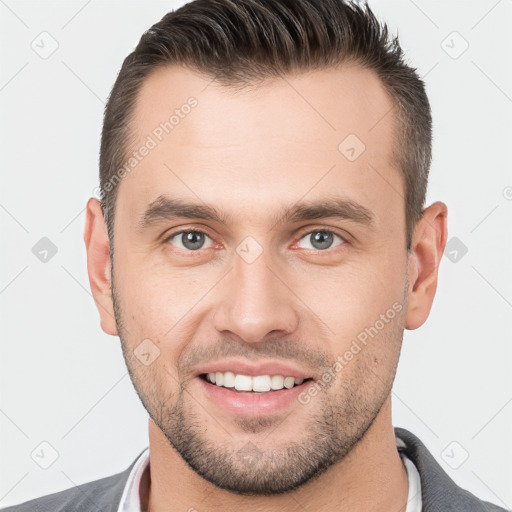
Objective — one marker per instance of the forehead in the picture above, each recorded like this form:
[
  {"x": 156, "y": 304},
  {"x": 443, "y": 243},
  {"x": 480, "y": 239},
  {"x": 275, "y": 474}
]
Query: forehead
[{"x": 289, "y": 137}]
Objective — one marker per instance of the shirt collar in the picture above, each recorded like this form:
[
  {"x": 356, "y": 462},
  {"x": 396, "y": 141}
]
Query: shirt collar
[
  {"x": 414, "y": 501},
  {"x": 137, "y": 485}
]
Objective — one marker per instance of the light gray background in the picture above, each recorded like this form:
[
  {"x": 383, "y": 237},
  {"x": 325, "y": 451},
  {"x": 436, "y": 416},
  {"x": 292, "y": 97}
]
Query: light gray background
[{"x": 63, "y": 381}]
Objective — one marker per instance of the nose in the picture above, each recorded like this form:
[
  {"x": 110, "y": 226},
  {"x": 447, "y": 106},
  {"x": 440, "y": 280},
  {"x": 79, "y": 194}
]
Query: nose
[{"x": 254, "y": 300}]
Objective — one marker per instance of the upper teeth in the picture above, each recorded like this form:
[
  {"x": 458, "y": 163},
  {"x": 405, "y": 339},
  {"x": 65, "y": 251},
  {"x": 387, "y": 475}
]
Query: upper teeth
[{"x": 248, "y": 383}]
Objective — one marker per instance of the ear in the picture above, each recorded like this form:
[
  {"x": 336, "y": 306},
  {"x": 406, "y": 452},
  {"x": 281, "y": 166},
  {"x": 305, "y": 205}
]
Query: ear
[
  {"x": 429, "y": 240},
  {"x": 98, "y": 264}
]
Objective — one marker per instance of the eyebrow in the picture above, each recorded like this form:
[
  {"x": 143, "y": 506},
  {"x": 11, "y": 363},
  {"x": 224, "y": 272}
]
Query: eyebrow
[{"x": 167, "y": 208}]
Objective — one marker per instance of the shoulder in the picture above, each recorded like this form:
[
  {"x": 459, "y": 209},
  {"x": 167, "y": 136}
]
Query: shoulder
[
  {"x": 438, "y": 491},
  {"x": 101, "y": 495}
]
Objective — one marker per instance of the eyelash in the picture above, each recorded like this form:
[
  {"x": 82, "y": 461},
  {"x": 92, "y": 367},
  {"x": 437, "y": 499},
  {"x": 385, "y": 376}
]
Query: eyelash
[{"x": 300, "y": 237}]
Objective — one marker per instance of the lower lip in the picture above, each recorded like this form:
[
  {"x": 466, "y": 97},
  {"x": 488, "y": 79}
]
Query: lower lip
[{"x": 253, "y": 403}]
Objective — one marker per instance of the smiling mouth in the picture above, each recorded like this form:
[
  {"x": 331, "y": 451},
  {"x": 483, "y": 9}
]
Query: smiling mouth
[{"x": 247, "y": 384}]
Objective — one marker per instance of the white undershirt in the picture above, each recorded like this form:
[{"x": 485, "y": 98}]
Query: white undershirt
[{"x": 414, "y": 503}]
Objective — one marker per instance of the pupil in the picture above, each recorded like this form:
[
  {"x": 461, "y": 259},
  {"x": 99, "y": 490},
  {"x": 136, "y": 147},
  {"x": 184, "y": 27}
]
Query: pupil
[
  {"x": 322, "y": 238},
  {"x": 192, "y": 240}
]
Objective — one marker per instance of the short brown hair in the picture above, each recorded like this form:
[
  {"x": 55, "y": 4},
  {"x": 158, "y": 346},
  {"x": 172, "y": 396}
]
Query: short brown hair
[{"x": 243, "y": 42}]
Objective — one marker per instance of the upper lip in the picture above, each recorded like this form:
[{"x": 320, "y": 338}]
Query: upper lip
[{"x": 245, "y": 367}]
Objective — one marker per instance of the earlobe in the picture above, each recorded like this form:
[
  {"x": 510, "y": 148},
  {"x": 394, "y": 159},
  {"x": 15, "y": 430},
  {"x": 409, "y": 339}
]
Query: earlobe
[
  {"x": 98, "y": 264},
  {"x": 429, "y": 241}
]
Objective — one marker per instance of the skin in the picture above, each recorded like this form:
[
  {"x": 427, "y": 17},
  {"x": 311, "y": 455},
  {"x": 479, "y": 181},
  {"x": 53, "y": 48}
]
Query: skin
[{"x": 249, "y": 154}]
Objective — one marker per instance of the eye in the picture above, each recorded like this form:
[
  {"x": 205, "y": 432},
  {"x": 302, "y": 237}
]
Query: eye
[
  {"x": 194, "y": 240},
  {"x": 321, "y": 239},
  {"x": 189, "y": 240}
]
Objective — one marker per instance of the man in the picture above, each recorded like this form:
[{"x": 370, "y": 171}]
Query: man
[{"x": 260, "y": 246}]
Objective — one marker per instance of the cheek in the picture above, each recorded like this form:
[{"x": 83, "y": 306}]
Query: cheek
[
  {"x": 146, "y": 286},
  {"x": 163, "y": 306},
  {"x": 353, "y": 296}
]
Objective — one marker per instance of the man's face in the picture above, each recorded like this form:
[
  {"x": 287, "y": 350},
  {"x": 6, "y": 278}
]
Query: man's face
[{"x": 258, "y": 288}]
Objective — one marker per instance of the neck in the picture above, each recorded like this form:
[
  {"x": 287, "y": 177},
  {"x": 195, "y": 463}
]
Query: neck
[{"x": 371, "y": 478}]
